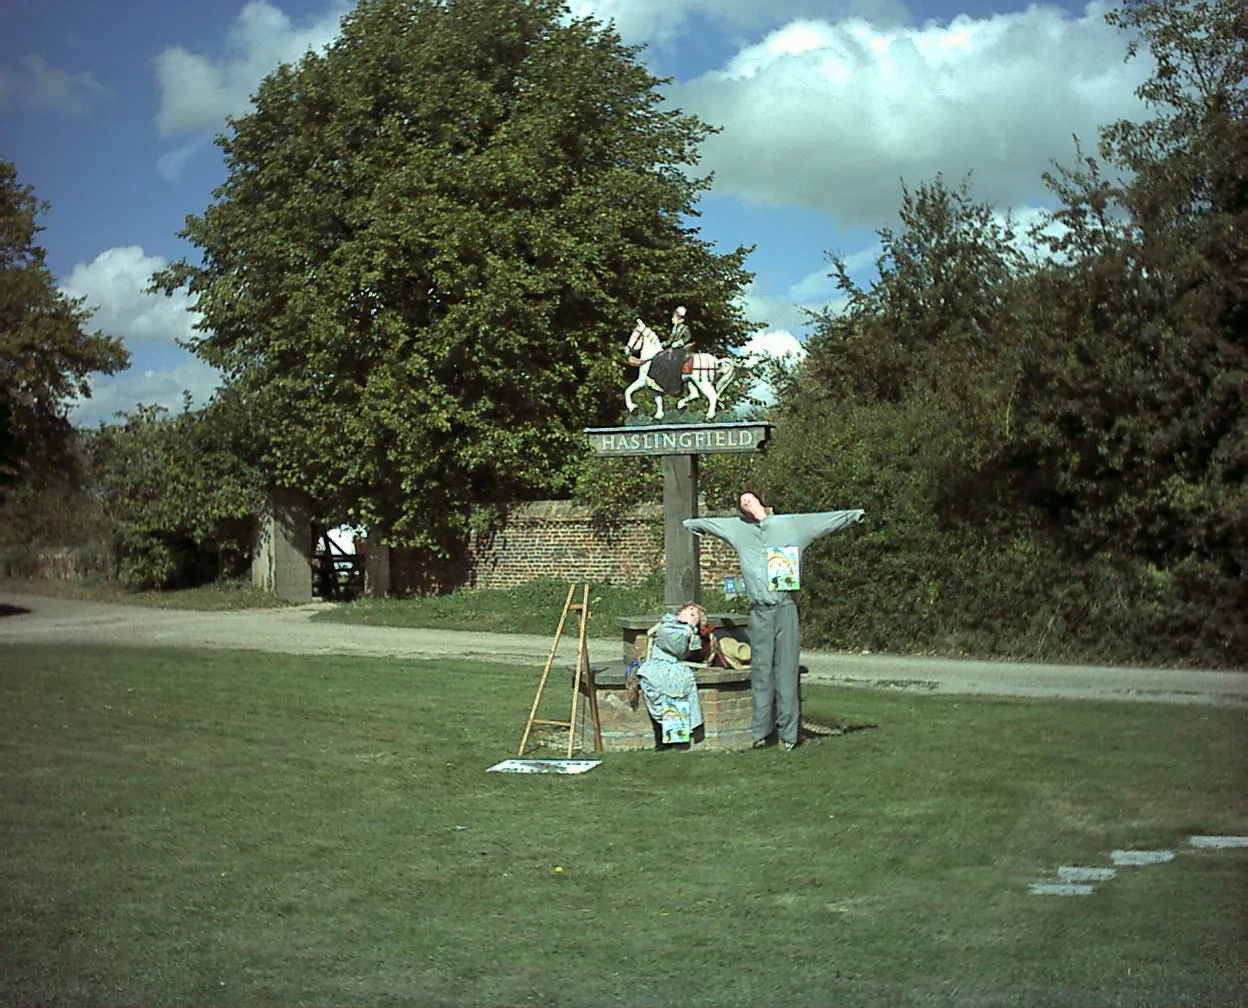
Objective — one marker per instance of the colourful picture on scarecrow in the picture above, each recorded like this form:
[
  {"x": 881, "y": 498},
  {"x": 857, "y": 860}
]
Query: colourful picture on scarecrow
[
  {"x": 674, "y": 721},
  {"x": 784, "y": 568}
]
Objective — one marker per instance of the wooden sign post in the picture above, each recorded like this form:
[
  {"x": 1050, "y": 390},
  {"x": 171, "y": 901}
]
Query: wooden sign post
[{"x": 679, "y": 446}]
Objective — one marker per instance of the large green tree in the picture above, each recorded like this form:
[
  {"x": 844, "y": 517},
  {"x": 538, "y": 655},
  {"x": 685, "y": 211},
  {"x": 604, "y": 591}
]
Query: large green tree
[
  {"x": 1053, "y": 453},
  {"x": 901, "y": 406},
  {"x": 1136, "y": 425},
  {"x": 46, "y": 354},
  {"x": 431, "y": 244}
]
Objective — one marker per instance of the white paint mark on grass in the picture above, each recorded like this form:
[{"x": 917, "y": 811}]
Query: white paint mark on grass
[
  {"x": 1078, "y": 880},
  {"x": 1075, "y": 873},
  {"x": 1137, "y": 858},
  {"x": 1060, "y": 889},
  {"x": 1218, "y": 842}
]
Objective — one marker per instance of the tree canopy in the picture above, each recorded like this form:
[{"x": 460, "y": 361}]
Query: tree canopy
[
  {"x": 46, "y": 354},
  {"x": 179, "y": 493},
  {"x": 1052, "y": 449},
  {"x": 430, "y": 246}
]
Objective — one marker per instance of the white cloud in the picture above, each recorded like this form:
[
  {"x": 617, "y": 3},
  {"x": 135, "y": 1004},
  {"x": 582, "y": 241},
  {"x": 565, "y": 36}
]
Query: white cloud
[
  {"x": 660, "y": 22},
  {"x": 114, "y": 284},
  {"x": 773, "y": 310},
  {"x": 832, "y": 115},
  {"x": 786, "y": 311},
  {"x": 171, "y": 163},
  {"x": 1027, "y": 220},
  {"x": 151, "y": 325},
  {"x": 814, "y": 288},
  {"x": 778, "y": 343},
  {"x": 39, "y": 86},
  {"x": 111, "y": 395},
  {"x": 197, "y": 91}
]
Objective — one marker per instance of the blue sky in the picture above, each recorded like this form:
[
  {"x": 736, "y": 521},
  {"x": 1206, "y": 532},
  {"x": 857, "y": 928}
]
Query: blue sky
[{"x": 108, "y": 108}]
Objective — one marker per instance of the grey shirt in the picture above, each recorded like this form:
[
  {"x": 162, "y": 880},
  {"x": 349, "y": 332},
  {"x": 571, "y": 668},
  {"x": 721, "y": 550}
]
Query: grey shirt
[{"x": 752, "y": 540}]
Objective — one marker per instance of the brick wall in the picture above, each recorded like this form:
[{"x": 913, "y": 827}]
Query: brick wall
[{"x": 556, "y": 539}]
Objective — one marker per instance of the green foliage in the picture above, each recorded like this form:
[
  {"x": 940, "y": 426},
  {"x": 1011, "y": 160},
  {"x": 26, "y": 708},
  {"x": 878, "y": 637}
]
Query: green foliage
[
  {"x": 611, "y": 487},
  {"x": 53, "y": 507},
  {"x": 1135, "y": 432},
  {"x": 900, "y": 408},
  {"x": 722, "y": 478},
  {"x": 1051, "y": 455},
  {"x": 45, "y": 353},
  {"x": 181, "y": 494},
  {"x": 431, "y": 244},
  {"x": 932, "y": 325}
]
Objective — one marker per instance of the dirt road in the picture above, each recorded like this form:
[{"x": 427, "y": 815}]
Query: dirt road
[{"x": 35, "y": 619}]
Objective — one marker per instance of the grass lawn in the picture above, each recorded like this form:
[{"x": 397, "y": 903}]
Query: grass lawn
[
  {"x": 220, "y": 595},
  {"x": 199, "y": 828},
  {"x": 531, "y": 608}
]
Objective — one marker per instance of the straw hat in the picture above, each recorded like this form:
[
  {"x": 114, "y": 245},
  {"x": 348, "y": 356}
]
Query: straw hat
[{"x": 736, "y": 652}]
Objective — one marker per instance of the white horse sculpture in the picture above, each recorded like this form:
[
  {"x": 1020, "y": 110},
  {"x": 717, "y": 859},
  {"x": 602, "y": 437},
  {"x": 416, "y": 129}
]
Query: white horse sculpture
[{"x": 708, "y": 375}]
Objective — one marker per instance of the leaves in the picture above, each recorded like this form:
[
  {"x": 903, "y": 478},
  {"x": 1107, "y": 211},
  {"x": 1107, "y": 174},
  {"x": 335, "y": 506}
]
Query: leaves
[
  {"x": 1052, "y": 453},
  {"x": 45, "y": 353},
  {"x": 431, "y": 242},
  {"x": 175, "y": 489}
]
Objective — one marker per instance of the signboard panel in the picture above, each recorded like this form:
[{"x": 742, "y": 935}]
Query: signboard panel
[{"x": 678, "y": 439}]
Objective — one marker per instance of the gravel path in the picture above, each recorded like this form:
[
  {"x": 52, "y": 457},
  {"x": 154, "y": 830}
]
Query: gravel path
[{"x": 37, "y": 619}]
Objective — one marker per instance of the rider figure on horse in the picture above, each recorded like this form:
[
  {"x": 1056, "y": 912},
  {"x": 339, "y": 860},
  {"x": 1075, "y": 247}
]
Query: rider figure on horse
[
  {"x": 681, "y": 339},
  {"x": 672, "y": 368}
]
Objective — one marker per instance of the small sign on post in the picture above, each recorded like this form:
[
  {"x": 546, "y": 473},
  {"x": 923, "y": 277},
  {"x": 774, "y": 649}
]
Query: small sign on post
[{"x": 678, "y": 439}]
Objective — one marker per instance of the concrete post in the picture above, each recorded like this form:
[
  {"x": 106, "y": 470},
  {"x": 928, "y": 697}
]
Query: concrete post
[
  {"x": 682, "y": 581},
  {"x": 282, "y": 563}
]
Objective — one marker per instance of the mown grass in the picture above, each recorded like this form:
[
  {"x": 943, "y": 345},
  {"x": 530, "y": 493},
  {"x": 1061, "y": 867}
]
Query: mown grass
[
  {"x": 235, "y": 828},
  {"x": 531, "y": 608},
  {"x": 218, "y": 596}
]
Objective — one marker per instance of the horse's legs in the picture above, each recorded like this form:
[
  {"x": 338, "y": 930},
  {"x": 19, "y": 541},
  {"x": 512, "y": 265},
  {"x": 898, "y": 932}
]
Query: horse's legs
[
  {"x": 643, "y": 375},
  {"x": 700, "y": 383},
  {"x": 658, "y": 394},
  {"x": 712, "y": 398},
  {"x": 628, "y": 396}
]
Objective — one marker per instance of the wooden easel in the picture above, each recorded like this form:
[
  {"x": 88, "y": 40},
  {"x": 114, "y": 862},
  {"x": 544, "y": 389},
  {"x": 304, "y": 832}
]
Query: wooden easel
[{"x": 582, "y": 668}]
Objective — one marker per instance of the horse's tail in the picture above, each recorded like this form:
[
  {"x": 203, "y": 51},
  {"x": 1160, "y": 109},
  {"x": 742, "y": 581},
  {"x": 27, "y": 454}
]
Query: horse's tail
[{"x": 727, "y": 370}]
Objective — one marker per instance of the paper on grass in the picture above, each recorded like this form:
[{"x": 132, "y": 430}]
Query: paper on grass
[{"x": 561, "y": 766}]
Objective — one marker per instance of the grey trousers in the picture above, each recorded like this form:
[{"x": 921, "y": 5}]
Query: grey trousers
[{"x": 774, "y": 651}]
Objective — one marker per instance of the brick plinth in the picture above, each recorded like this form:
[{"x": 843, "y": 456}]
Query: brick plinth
[{"x": 723, "y": 693}]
